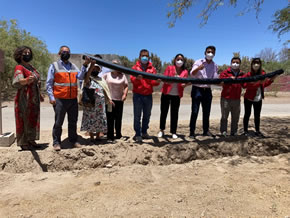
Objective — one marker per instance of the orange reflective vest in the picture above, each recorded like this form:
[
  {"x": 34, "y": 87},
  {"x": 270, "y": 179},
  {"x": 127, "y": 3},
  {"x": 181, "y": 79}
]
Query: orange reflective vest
[{"x": 65, "y": 81}]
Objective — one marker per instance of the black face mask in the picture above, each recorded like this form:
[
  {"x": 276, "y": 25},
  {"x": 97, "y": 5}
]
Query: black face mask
[
  {"x": 95, "y": 73},
  {"x": 27, "y": 57},
  {"x": 65, "y": 56}
]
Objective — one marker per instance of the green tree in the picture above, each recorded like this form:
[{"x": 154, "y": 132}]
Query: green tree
[
  {"x": 222, "y": 68},
  {"x": 286, "y": 67},
  {"x": 12, "y": 37},
  {"x": 164, "y": 66},
  {"x": 126, "y": 62},
  {"x": 135, "y": 60},
  {"x": 156, "y": 61},
  {"x": 284, "y": 54},
  {"x": 279, "y": 25},
  {"x": 271, "y": 66},
  {"x": 246, "y": 64},
  {"x": 273, "y": 61},
  {"x": 275, "y": 65},
  {"x": 188, "y": 63}
]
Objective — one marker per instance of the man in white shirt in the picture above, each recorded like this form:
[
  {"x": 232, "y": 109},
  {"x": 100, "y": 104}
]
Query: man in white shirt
[{"x": 201, "y": 93}]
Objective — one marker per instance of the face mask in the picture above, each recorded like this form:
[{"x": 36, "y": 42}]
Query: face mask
[
  {"x": 209, "y": 56},
  {"x": 27, "y": 57},
  {"x": 235, "y": 66},
  {"x": 65, "y": 55},
  {"x": 144, "y": 59},
  {"x": 95, "y": 73},
  {"x": 179, "y": 63},
  {"x": 256, "y": 66}
]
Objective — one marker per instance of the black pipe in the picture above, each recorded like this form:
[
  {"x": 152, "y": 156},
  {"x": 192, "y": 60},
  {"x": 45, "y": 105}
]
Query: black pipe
[{"x": 183, "y": 80}]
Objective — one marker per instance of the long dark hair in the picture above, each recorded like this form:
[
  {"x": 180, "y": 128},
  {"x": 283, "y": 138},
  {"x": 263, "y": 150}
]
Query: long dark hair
[
  {"x": 254, "y": 61},
  {"x": 18, "y": 53},
  {"x": 184, "y": 60}
]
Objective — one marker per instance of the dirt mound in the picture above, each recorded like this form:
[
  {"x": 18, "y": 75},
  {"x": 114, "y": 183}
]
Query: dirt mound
[
  {"x": 225, "y": 187},
  {"x": 202, "y": 177},
  {"x": 154, "y": 151}
]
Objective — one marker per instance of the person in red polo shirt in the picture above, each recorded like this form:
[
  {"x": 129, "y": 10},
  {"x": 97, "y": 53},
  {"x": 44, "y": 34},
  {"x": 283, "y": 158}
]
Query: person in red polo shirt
[
  {"x": 230, "y": 97},
  {"x": 142, "y": 95},
  {"x": 254, "y": 95},
  {"x": 171, "y": 95}
]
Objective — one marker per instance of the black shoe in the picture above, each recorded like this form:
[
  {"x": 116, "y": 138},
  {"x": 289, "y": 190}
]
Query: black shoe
[
  {"x": 246, "y": 133},
  {"x": 26, "y": 148},
  {"x": 146, "y": 136},
  {"x": 208, "y": 133},
  {"x": 259, "y": 134},
  {"x": 138, "y": 139},
  {"x": 118, "y": 136},
  {"x": 192, "y": 136}
]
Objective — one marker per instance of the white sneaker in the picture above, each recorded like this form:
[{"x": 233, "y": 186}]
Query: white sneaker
[
  {"x": 160, "y": 134},
  {"x": 224, "y": 134},
  {"x": 174, "y": 136}
]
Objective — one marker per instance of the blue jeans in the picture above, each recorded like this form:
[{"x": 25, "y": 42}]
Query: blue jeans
[{"x": 141, "y": 103}]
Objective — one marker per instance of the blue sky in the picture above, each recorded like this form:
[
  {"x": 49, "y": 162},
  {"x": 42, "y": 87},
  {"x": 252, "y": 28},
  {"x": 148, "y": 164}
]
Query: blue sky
[{"x": 124, "y": 27}]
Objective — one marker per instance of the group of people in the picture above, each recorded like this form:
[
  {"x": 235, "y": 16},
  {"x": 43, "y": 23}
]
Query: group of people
[{"x": 103, "y": 115}]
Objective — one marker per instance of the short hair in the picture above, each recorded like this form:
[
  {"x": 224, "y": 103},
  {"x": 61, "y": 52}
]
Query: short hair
[
  {"x": 98, "y": 56},
  {"x": 211, "y": 47},
  {"x": 63, "y": 46},
  {"x": 143, "y": 50},
  {"x": 18, "y": 53},
  {"x": 236, "y": 58}
]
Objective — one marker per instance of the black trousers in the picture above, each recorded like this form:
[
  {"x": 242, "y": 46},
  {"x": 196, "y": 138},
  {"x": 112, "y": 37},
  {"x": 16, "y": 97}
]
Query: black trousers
[
  {"x": 114, "y": 120},
  {"x": 63, "y": 106},
  {"x": 201, "y": 96},
  {"x": 257, "y": 113},
  {"x": 174, "y": 103}
]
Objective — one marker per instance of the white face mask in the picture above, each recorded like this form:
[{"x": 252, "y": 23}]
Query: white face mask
[
  {"x": 179, "y": 63},
  {"x": 235, "y": 66},
  {"x": 256, "y": 66},
  {"x": 209, "y": 56}
]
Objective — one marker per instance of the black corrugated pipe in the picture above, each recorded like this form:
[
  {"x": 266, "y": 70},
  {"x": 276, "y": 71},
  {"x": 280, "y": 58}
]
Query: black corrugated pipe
[{"x": 183, "y": 80}]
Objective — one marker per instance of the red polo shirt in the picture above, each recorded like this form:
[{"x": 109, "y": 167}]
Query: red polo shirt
[{"x": 143, "y": 86}]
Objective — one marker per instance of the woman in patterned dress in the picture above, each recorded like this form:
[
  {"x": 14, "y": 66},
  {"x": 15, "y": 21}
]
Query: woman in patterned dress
[
  {"x": 94, "y": 118},
  {"x": 27, "y": 101}
]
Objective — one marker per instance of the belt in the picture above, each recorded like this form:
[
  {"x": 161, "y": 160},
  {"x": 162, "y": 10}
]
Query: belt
[{"x": 203, "y": 88}]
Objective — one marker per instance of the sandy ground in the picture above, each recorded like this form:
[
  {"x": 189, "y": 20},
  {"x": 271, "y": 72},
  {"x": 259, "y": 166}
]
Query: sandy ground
[{"x": 203, "y": 177}]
